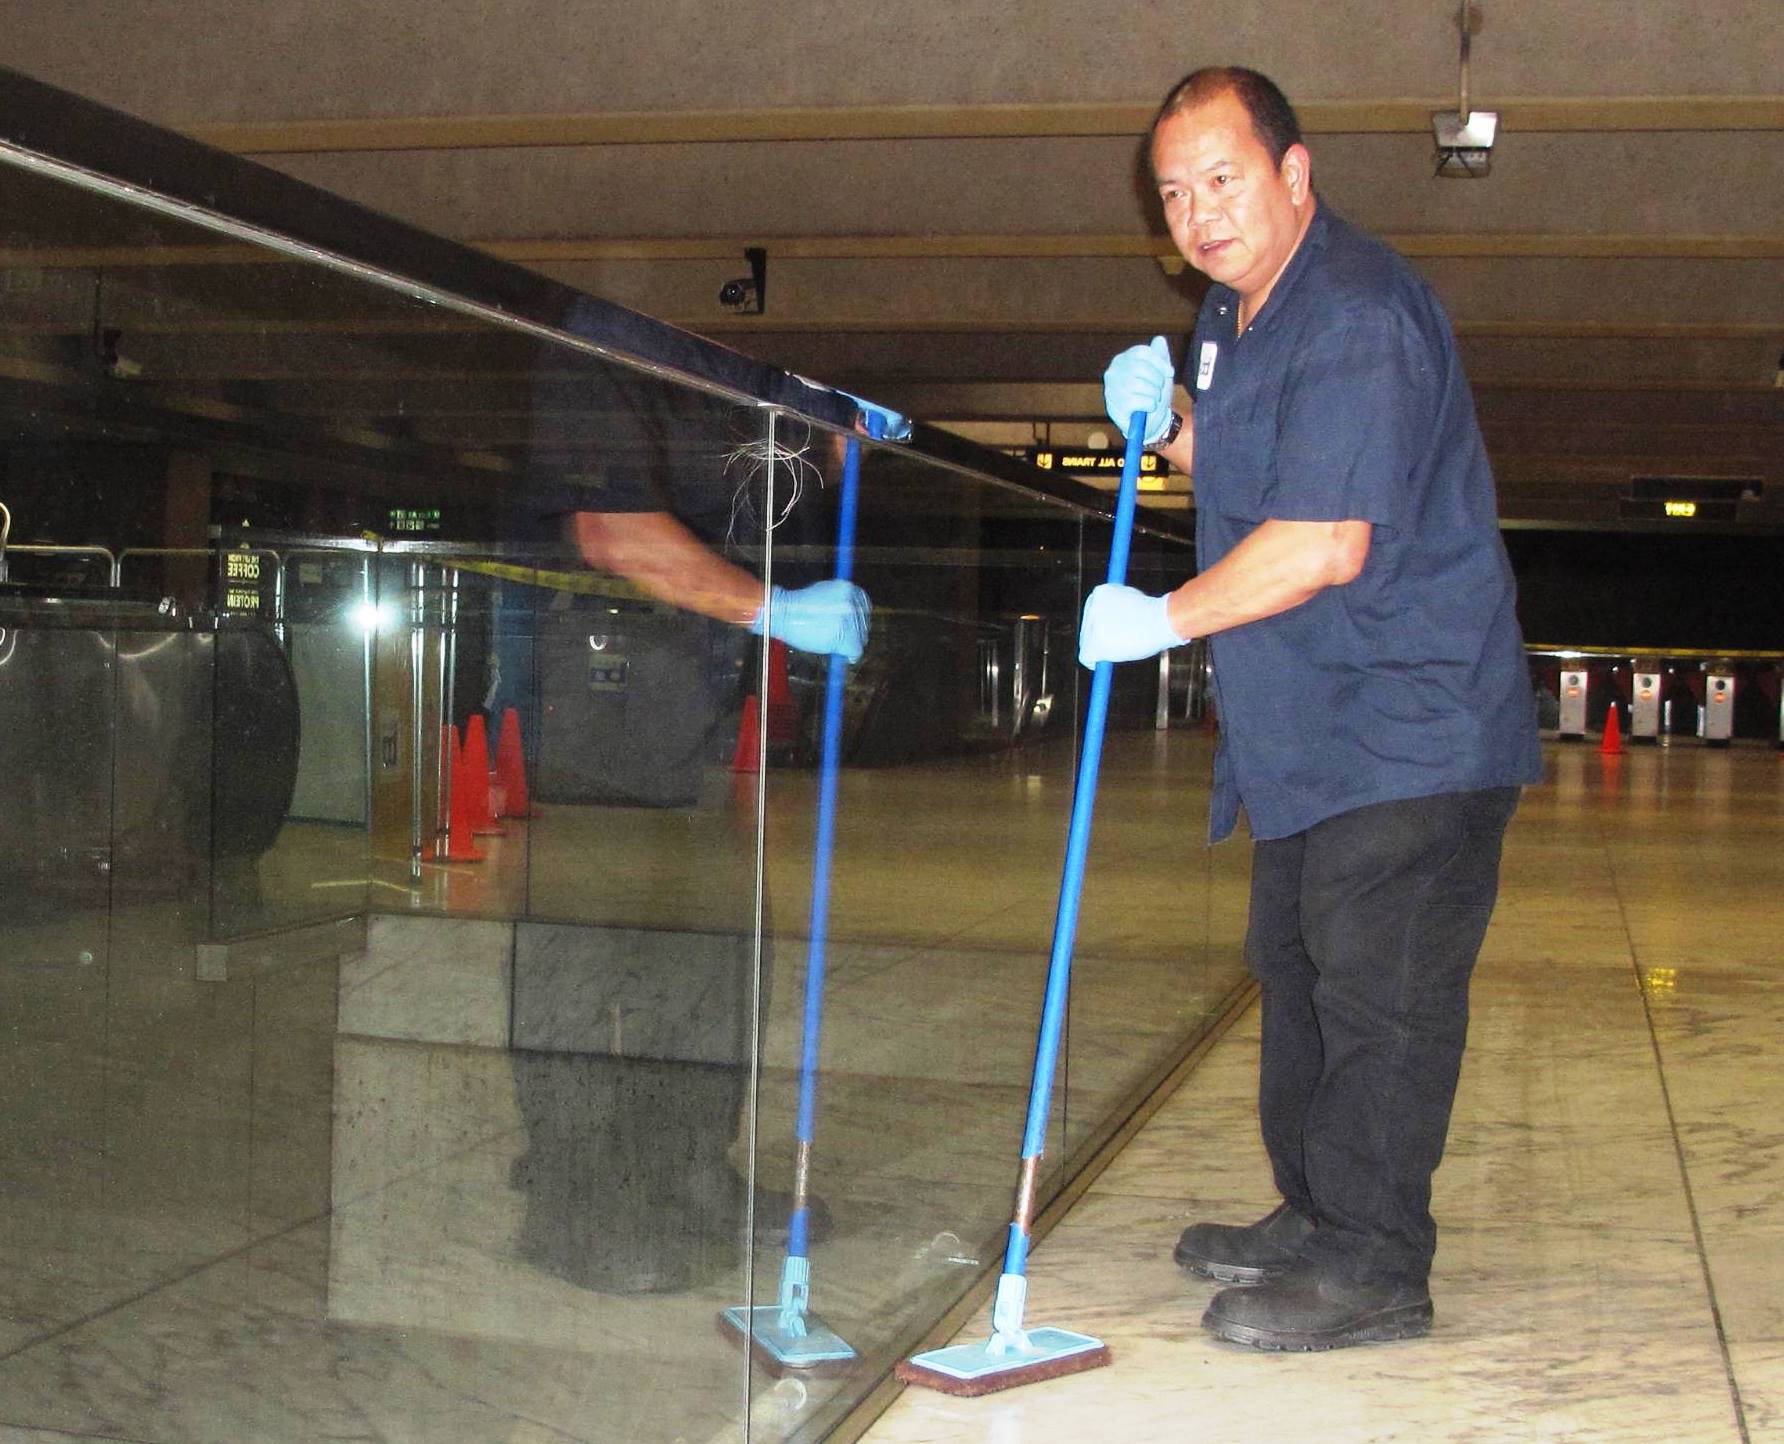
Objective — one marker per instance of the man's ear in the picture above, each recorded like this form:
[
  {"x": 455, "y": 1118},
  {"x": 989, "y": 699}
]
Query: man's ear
[{"x": 1297, "y": 172}]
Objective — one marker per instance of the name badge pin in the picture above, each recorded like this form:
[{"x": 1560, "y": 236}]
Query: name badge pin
[{"x": 1205, "y": 365}]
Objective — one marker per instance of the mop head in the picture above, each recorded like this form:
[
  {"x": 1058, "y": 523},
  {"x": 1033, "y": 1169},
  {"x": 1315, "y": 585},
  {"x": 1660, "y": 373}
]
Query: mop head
[
  {"x": 968, "y": 1370},
  {"x": 814, "y": 1349}
]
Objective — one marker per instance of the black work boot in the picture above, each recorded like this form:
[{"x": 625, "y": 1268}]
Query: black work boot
[
  {"x": 1306, "y": 1310},
  {"x": 1244, "y": 1256}
]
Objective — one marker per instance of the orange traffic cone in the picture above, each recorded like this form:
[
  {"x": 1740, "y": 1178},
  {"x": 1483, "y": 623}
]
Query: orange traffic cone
[
  {"x": 459, "y": 845},
  {"x": 476, "y": 755},
  {"x": 1612, "y": 745},
  {"x": 748, "y": 756},
  {"x": 511, "y": 770}
]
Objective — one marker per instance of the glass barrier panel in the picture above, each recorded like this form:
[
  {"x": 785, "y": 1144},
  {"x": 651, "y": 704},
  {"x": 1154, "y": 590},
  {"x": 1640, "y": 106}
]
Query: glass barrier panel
[
  {"x": 413, "y": 850},
  {"x": 1151, "y": 965},
  {"x": 582, "y": 946},
  {"x": 308, "y": 1120},
  {"x": 953, "y": 788}
]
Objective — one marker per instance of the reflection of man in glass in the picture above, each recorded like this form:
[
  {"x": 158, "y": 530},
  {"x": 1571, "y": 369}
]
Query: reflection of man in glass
[{"x": 634, "y": 969}]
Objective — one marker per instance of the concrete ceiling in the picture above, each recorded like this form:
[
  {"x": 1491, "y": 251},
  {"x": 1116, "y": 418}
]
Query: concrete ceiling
[{"x": 953, "y": 200}]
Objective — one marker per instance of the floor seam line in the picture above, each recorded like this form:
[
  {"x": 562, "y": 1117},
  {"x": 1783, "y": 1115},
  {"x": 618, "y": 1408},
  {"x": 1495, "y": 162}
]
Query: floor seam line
[
  {"x": 173, "y": 1281},
  {"x": 1672, "y": 1119}
]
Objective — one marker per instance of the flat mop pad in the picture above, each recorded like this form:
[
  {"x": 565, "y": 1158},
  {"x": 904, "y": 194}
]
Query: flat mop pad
[{"x": 969, "y": 1370}]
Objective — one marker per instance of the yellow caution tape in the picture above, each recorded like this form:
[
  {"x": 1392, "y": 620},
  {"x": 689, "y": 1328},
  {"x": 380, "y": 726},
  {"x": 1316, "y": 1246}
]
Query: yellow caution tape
[{"x": 587, "y": 584}]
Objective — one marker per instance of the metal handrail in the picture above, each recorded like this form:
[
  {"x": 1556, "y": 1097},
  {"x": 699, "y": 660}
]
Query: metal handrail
[
  {"x": 54, "y": 133},
  {"x": 35, "y": 550},
  {"x": 219, "y": 552},
  {"x": 1543, "y": 649}
]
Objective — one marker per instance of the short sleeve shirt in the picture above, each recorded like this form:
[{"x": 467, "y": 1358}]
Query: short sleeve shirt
[
  {"x": 1345, "y": 400},
  {"x": 609, "y": 438}
]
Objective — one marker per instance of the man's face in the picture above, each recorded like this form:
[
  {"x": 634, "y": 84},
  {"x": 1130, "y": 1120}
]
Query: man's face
[{"x": 1233, "y": 215}]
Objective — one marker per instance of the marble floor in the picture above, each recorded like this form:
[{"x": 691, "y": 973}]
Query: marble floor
[
  {"x": 292, "y": 1202},
  {"x": 283, "y": 1207},
  {"x": 1611, "y": 1261}
]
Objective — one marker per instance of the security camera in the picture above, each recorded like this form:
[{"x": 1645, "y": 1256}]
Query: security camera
[
  {"x": 1465, "y": 135},
  {"x": 740, "y": 291},
  {"x": 1464, "y": 143}
]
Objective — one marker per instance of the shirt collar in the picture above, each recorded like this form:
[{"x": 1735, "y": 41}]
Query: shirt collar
[{"x": 1311, "y": 244}]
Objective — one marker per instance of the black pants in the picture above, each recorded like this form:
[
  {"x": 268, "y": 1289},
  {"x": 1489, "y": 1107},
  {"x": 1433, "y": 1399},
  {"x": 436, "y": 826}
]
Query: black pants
[
  {"x": 625, "y": 1173},
  {"x": 631, "y": 1051},
  {"x": 1364, "y": 931}
]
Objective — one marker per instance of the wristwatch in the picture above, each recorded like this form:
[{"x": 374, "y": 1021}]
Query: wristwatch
[{"x": 1170, "y": 433}]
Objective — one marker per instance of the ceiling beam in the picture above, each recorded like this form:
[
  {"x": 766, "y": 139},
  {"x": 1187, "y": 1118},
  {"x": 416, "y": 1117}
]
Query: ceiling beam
[
  {"x": 956, "y": 122},
  {"x": 1491, "y": 245},
  {"x": 1026, "y": 401},
  {"x": 1121, "y": 245},
  {"x": 732, "y": 325}
]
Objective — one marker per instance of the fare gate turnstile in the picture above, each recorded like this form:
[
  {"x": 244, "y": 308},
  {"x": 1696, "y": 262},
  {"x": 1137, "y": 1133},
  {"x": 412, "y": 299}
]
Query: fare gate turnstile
[
  {"x": 1716, "y": 719},
  {"x": 1715, "y": 698},
  {"x": 1573, "y": 704},
  {"x": 1646, "y": 693}
]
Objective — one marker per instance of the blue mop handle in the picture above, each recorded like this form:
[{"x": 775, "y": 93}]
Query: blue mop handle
[
  {"x": 1071, "y": 887},
  {"x": 830, "y": 756}
]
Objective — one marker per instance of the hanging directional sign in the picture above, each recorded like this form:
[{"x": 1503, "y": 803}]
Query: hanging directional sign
[{"x": 1089, "y": 463}]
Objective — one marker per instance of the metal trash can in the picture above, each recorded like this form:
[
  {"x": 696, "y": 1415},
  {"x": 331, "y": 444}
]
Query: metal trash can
[
  {"x": 1573, "y": 704},
  {"x": 1647, "y": 685},
  {"x": 1716, "y": 721}
]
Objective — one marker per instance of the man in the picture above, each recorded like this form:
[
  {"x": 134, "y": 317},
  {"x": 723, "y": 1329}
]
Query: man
[
  {"x": 633, "y": 1018},
  {"x": 1371, "y": 684}
]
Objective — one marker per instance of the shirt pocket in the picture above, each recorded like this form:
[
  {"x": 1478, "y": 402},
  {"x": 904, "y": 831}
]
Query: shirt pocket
[{"x": 1235, "y": 463}]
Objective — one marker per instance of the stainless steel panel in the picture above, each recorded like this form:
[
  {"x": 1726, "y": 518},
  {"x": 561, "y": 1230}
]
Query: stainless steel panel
[
  {"x": 1644, "y": 710},
  {"x": 1717, "y": 718},
  {"x": 1573, "y": 703},
  {"x": 332, "y": 776}
]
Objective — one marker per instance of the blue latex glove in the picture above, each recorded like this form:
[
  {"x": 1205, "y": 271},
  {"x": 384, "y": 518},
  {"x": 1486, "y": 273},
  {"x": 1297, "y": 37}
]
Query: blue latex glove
[
  {"x": 829, "y": 616},
  {"x": 1124, "y": 624},
  {"x": 1141, "y": 378}
]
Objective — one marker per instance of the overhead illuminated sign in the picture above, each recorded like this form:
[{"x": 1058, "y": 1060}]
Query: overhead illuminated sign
[
  {"x": 408, "y": 520},
  {"x": 1091, "y": 464},
  {"x": 1677, "y": 508},
  {"x": 1689, "y": 498}
]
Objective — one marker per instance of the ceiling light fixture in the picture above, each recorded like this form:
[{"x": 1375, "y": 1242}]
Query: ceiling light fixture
[{"x": 1465, "y": 137}]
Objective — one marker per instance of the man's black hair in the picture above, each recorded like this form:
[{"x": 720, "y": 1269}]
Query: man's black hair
[{"x": 1273, "y": 119}]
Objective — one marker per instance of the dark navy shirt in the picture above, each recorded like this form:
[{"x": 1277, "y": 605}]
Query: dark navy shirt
[
  {"x": 608, "y": 438},
  {"x": 1344, "y": 400}
]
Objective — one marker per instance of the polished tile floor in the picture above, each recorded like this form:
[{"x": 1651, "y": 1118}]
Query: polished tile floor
[
  {"x": 281, "y": 1209},
  {"x": 1611, "y": 1263},
  {"x": 287, "y": 1204}
]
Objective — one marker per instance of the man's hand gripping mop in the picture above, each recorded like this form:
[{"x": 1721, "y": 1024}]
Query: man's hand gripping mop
[
  {"x": 785, "y": 1335},
  {"x": 1013, "y": 1354}
]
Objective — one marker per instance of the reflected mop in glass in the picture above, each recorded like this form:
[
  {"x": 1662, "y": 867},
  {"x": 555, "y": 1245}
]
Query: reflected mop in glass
[{"x": 786, "y": 1335}]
